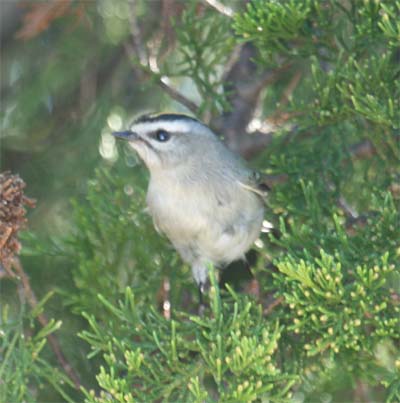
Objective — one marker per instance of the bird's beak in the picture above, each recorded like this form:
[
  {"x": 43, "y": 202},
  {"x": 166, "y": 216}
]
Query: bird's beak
[{"x": 126, "y": 135}]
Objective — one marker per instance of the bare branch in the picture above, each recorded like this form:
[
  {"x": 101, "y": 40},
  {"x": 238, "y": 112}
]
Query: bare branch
[
  {"x": 146, "y": 72},
  {"x": 349, "y": 211},
  {"x": 293, "y": 83},
  {"x": 268, "y": 309},
  {"x": 244, "y": 87},
  {"x": 242, "y": 82},
  {"x": 177, "y": 96},
  {"x": 221, "y": 8},
  {"x": 146, "y": 68},
  {"x": 278, "y": 116}
]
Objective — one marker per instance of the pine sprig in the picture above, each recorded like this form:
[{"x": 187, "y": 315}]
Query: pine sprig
[{"x": 231, "y": 353}]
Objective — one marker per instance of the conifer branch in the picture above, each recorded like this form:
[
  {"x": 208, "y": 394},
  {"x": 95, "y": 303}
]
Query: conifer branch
[
  {"x": 12, "y": 214},
  {"x": 53, "y": 341}
]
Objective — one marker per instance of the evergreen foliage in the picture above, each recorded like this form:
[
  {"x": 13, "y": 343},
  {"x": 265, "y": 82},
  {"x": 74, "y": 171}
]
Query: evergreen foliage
[
  {"x": 233, "y": 351},
  {"x": 325, "y": 324},
  {"x": 23, "y": 367}
]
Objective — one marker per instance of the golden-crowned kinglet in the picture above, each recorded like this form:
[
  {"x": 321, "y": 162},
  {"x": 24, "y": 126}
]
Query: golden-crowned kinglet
[{"x": 200, "y": 195}]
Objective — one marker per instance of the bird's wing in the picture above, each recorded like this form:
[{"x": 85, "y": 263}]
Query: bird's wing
[{"x": 255, "y": 182}]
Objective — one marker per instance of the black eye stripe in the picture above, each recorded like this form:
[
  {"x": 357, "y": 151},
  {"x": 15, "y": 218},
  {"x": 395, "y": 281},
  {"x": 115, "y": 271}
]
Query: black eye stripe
[{"x": 162, "y": 135}]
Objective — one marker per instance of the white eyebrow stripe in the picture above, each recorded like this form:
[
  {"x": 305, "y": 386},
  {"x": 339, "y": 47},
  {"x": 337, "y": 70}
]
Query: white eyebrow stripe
[{"x": 169, "y": 126}]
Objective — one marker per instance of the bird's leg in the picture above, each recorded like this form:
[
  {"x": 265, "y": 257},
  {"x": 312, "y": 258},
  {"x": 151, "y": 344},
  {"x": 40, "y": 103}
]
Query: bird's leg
[
  {"x": 204, "y": 287},
  {"x": 200, "y": 274}
]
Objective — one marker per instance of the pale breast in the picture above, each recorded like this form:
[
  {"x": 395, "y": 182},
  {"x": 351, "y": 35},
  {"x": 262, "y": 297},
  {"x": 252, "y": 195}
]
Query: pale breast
[
  {"x": 214, "y": 225},
  {"x": 175, "y": 213}
]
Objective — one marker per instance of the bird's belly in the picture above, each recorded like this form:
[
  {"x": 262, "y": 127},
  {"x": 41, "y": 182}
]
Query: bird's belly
[
  {"x": 200, "y": 234},
  {"x": 173, "y": 216},
  {"x": 233, "y": 241}
]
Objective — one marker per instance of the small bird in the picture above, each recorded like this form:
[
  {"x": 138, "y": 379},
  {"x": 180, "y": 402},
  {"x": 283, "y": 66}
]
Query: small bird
[{"x": 200, "y": 195}]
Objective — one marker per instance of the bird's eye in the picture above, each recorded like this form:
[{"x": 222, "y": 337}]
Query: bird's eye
[{"x": 162, "y": 135}]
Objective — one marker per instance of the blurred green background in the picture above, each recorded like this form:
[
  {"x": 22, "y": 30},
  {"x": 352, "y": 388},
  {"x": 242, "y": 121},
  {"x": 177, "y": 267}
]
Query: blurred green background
[
  {"x": 65, "y": 84},
  {"x": 323, "y": 77}
]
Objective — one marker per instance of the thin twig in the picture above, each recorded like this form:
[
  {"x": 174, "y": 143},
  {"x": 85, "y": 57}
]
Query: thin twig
[
  {"x": 243, "y": 86},
  {"x": 136, "y": 51},
  {"x": 172, "y": 92},
  {"x": 53, "y": 341},
  {"x": 293, "y": 83},
  {"x": 177, "y": 96},
  {"x": 343, "y": 204},
  {"x": 145, "y": 67},
  {"x": 349, "y": 211},
  {"x": 278, "y": 117},
  {"x": 273, "y": 305},
  {"x": 221, "y": 8}
]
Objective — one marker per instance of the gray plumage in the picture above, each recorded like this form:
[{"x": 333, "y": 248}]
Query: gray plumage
[{"x": 200, "y": 194}]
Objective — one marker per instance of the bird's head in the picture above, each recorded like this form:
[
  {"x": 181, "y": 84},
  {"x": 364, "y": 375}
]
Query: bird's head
[{"x": 167, "y": 140}]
